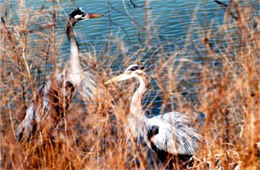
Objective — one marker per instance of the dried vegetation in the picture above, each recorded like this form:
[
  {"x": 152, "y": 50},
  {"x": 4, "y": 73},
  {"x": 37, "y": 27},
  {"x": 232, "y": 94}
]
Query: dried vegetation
[{"x": 226, "y": 86}]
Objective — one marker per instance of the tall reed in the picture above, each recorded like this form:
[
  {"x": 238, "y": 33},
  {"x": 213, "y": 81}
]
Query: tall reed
[{"x": 226, "y": 84}]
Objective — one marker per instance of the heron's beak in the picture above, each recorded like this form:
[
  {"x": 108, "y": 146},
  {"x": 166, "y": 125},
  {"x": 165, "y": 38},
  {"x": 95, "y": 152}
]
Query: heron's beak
[
  {"x": 91, "y": 15},
  {"x": 121, "y": 77}
]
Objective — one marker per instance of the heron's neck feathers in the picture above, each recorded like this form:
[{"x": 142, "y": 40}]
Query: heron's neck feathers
[
  {"x": 74, "y": 67},
  {"x": 136, "y": 103},
  {"x": 71, "y": 34},
  {"x": 137, "y": 120}
]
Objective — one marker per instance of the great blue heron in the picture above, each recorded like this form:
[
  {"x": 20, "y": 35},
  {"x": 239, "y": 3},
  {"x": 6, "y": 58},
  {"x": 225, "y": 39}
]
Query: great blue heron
[
  {"x": 53, "y": 98},
  {"x": 170, "y": 132}
]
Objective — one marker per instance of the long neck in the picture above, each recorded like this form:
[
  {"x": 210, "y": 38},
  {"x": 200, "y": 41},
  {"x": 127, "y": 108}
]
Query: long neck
[
  {"x": 74, "y": 49},
  {"x": 136, "y": 103},
  {"x": 74, "y": 68}
]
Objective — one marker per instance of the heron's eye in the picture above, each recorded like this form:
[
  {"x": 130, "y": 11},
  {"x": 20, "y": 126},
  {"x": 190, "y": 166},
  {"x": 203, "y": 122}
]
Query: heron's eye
[{"x": 134, "y": 68}]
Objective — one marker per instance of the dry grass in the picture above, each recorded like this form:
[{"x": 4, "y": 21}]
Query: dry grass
[{"x": 227, "y": 92}]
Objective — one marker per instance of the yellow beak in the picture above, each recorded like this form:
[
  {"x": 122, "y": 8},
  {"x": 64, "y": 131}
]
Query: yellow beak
[
  {"x": 121, "y": 77},
  {"x": 91, "y": 15}
]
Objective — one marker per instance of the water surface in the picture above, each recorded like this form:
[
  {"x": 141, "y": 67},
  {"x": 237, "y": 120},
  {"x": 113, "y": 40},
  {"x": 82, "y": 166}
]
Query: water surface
[{"x": 170, "y": 23}]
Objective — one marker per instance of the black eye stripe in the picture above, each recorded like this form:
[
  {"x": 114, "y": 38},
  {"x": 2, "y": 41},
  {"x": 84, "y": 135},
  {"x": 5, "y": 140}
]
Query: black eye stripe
[
  {"x": 78, "y": 11},
  {"x": 134, "y": 68}
]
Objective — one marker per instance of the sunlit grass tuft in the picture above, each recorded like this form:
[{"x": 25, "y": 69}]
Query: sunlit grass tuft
[{"x": 225, "y": 88}]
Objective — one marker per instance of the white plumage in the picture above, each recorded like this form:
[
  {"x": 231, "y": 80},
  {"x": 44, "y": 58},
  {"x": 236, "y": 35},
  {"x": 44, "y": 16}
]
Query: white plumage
[
  {"x": 170, "y": 132},
  {"x": 175, "y": 135}
]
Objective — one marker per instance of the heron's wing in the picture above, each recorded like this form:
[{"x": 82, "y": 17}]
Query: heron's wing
[
  {"x": 47, "y": 108},
  {"x": 175, "y": 135}
]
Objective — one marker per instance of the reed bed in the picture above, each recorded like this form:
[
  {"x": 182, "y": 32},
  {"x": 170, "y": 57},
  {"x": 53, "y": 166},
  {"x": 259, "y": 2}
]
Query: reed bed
[{"x": 225, "y": 87}]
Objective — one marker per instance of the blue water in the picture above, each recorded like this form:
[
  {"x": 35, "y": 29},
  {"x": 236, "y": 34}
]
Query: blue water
[{"x": 170, "y": 21}]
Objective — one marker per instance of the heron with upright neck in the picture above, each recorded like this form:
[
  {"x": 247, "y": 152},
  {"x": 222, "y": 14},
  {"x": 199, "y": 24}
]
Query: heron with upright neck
[
  {"x": 170, "y": 132},
  {"x": 53, "y": 98}
]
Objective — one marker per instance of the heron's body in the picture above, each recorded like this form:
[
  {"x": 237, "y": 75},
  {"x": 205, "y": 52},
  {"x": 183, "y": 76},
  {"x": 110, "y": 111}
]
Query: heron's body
[
  {"x": 170, "y": 132},
  {"x": 53, "y": 98},
  {"x": 175, "y": 135}
]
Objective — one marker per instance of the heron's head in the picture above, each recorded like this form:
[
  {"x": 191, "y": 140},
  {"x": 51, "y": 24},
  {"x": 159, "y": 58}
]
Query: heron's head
[
  {"x": 80, "y": 15},
  {"x": 132, "y": 71}
]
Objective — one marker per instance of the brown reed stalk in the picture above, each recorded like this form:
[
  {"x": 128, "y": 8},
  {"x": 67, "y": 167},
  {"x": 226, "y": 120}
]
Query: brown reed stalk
[{"x": 228, "y": 95}]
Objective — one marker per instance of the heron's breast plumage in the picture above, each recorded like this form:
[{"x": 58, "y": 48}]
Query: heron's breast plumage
[{"x": 175, "y": 135}]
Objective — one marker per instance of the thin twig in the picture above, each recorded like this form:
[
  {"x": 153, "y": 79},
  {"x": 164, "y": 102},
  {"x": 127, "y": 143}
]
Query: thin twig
[{"x": 227, "y": 9}]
